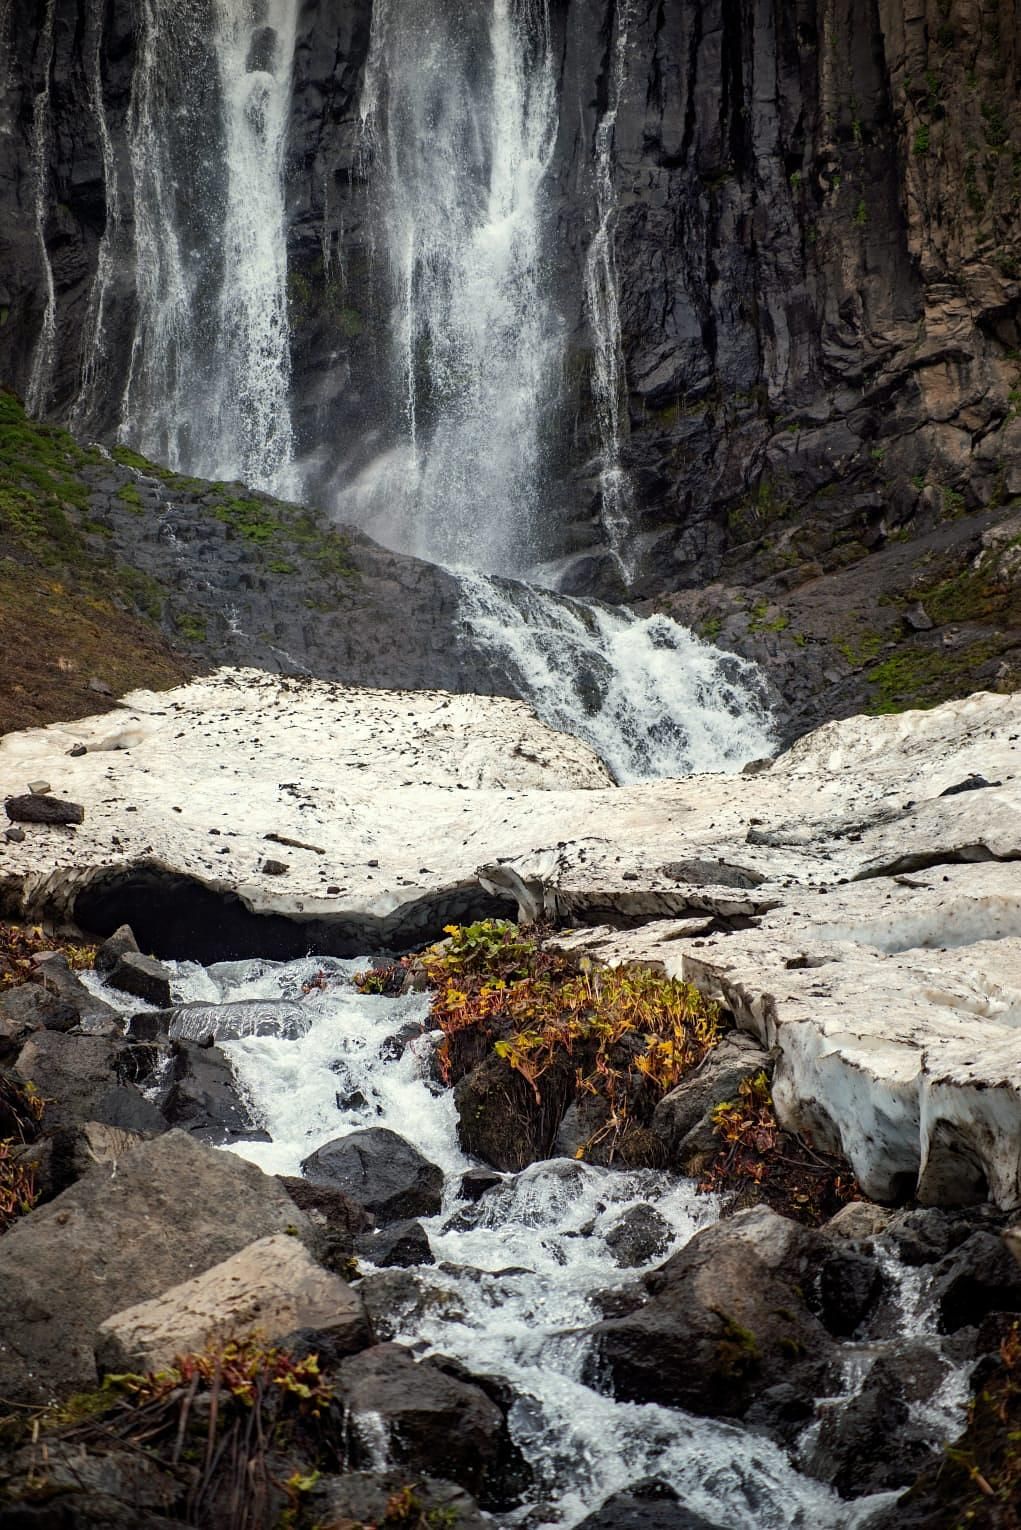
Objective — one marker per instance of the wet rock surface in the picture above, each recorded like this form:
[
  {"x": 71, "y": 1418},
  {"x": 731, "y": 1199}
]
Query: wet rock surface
[
  {"x": 381, "y": 1171},
  {"x": 726, "y": 1316}
]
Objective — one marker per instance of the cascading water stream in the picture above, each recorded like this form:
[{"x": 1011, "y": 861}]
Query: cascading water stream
[
  {"x": 38, "y": 393},
  {"x": 519, "y": 1273},
  {"x": 94, "y": 352}
]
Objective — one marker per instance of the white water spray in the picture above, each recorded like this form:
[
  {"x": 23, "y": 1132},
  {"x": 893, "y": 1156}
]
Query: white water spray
[
  {"x": 40, "y": 381},
  {"x": 519, "y": 1273}
]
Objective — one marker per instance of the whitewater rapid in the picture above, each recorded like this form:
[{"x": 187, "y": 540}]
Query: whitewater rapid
[{"x": 520, "y": 1273}]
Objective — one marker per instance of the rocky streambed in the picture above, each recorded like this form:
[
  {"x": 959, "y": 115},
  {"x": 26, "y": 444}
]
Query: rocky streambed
[{"x": 531, "y": 1296}]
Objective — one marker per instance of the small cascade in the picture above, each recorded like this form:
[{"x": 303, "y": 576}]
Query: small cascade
[
  {"x": 209, "y": 384},
  {"x": 648, "y": 696},
  {"x": 459, "y": 111},
  {"x": 602, "y": 302},
  {"x": 38, "y": 393}
]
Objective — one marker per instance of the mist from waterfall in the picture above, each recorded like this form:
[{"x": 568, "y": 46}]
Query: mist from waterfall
[
  {"x": 460, "y": 117},
  {"x": 208, "y": 389}
]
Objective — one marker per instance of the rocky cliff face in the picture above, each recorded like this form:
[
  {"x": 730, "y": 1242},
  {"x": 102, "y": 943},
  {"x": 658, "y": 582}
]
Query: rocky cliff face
[{"x": 816, "y": 242}]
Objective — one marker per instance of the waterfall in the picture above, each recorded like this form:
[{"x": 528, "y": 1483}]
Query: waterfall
[
  {"x": 209, "y": 382},
  {"x": 602, "y": 302},
  {"x": 41, "y": 378},
  {"x": 459, "y": 120},
  {"x": 460, "y": 114}
]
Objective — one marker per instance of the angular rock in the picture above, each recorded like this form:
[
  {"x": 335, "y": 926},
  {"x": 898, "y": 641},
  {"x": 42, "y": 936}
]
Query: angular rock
[
  {"x": 649, "y": 1505},
  {"x": 273, "y": 1288},
  {"x": 68, "y": 1266},
  {"x": 82, "y": 1079},
  {"x": 431, "y": 1421},
  {"x": 143, "y": 977},
  {"x": 121, "y": 943},
  {"x": 94, "y": 1015},
  {"x": 203, "y": 1099},
  {"x": 727, "y": 1317},
  {"x": 400, "y": 1245},
  {"x": 35, "y": 809},
  {"x": 848, "y": 1284},
  {"x": 717, "y": 1078},
  {"x": 98, "y": 1143},
  {"x": 330, "y": 1207},
  {"x": 979, "y": 1277},
  {"x": 476, "y": 1182},
  {"x": 381, "y": 1171},
  {"x": 858, "y": 1220},
  {"x": 639, "y": 1236},
  {"x": 33, "y": 1008},
  {"x": 872, "y": 1443}
]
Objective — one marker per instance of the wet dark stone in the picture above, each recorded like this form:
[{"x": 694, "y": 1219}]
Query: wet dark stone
[
  {"x": 381, "y": 1171},
  {"x": 400, "y": 1244}
]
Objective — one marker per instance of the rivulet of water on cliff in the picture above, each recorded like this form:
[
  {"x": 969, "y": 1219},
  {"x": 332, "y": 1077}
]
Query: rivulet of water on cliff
[{"x": 460, "y": 117}]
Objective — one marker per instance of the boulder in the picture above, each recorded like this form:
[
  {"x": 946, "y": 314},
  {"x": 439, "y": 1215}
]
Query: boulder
[
  {"x": 170, "y": 1209},
  {"x": 33, "y": 808},
  {"x": 381, "y": 1171},
  {"x": 717, "y": 1078},
  {"x": 639, "y": 1236},
  {"x": 119, "y": 944},
  {"x": 848, "y": 1284},
  {"x": 33, "y": 1008},
  {"x": 927, "y": 1234},
  {"x": 93, "y": 1014},
  {"x": 361, "y": 1498},
  {"x": 401, "y": 1244},
  {"x": 143, "y": 977},
  {"x": 63, "y": 1487},
  {"x": 728, "y": 1317},
  {"x": 273, "y": 1287},
  {"x": 426, "y": 1420},
  {"x": 82, "y": 1079},
  {"x": 979, "y": 1277},
  {"x": 649, "y": 1505},
  {"x": 328, "y": 1207},
  {"x": 203, "y": 1099}
]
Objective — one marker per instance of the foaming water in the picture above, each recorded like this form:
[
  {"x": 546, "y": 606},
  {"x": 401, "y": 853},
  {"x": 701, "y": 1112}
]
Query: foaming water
[
  {"x": 519, "y": 1274},
  {"x": 650, "y": 697}
]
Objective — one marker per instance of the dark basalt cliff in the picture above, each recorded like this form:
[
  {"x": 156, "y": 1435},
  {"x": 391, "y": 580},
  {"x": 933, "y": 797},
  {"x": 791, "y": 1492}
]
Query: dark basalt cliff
[{"x": 818, "y": 259}]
